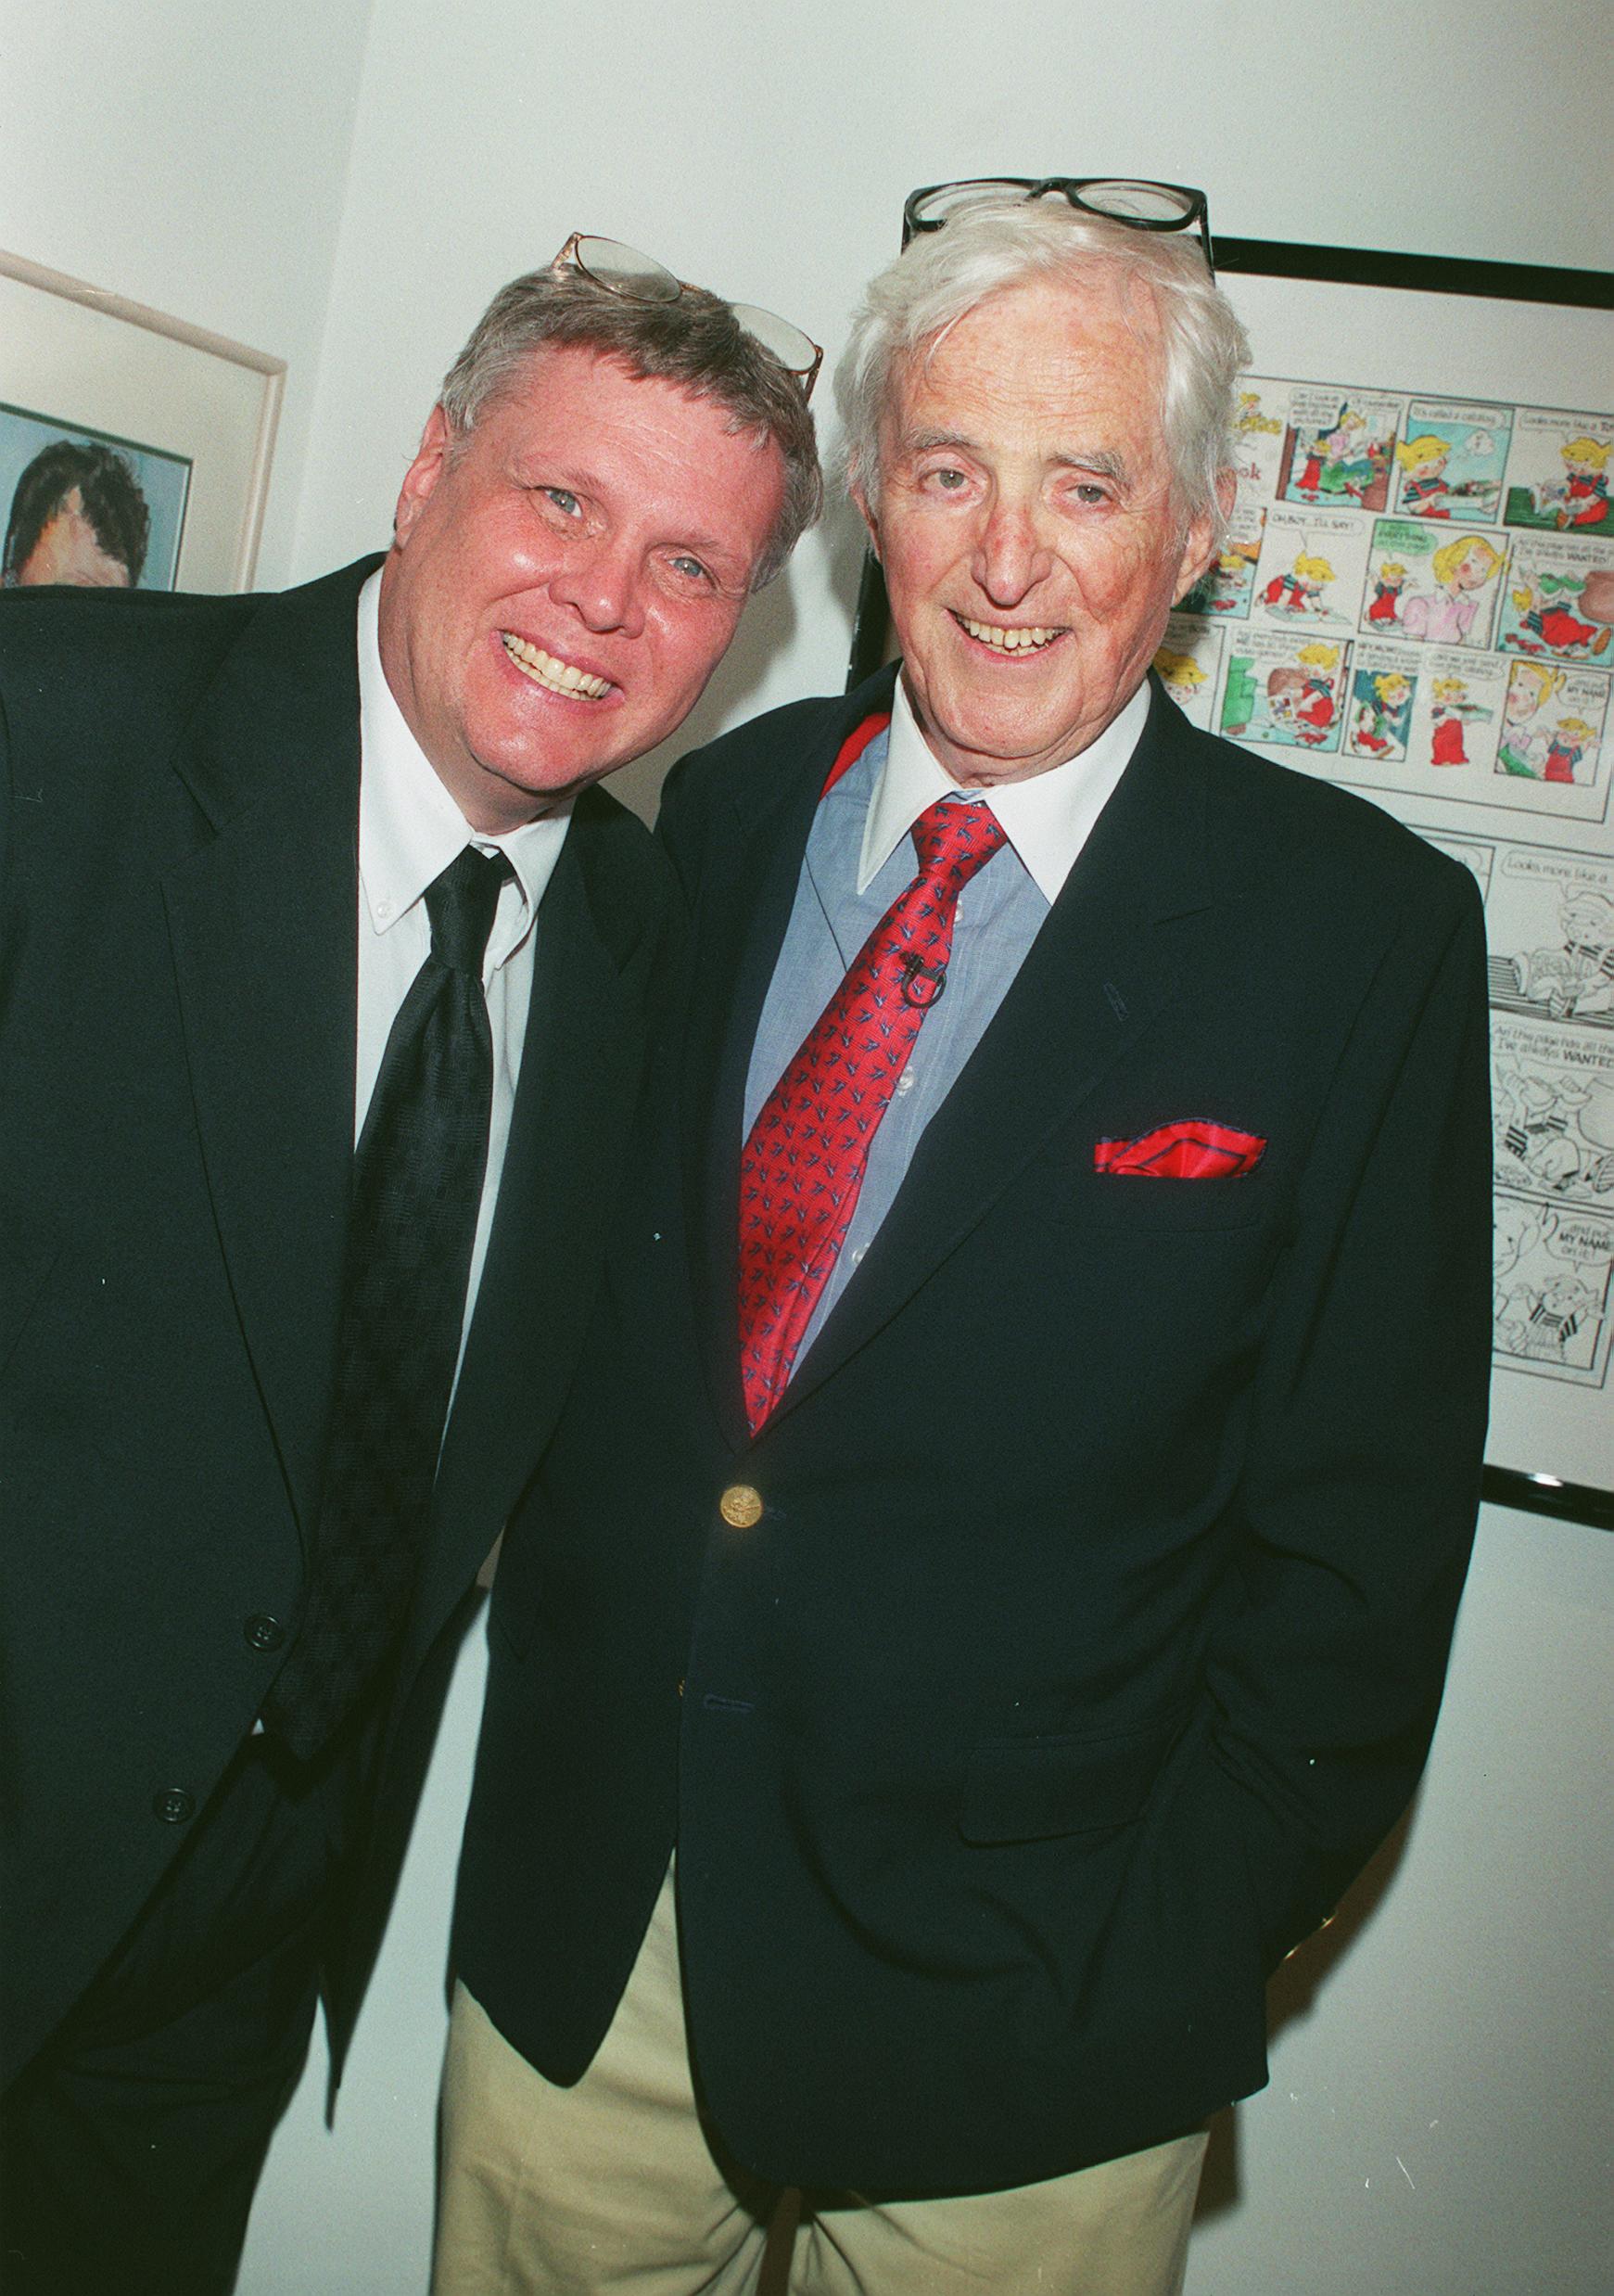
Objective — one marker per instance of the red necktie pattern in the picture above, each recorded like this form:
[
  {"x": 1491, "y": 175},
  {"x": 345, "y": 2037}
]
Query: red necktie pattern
[{"x": 803, "y": 1164}]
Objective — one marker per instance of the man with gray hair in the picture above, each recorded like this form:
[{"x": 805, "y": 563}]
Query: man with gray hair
[
  {"x": 990, "y": 1588},
  {"x": 327, "y": 968}
]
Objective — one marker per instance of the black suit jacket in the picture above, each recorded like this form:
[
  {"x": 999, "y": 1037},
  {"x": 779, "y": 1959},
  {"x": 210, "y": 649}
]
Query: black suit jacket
[
  {"x": 178, "y": 859},
  {"x": 1093, "y": 1630}
]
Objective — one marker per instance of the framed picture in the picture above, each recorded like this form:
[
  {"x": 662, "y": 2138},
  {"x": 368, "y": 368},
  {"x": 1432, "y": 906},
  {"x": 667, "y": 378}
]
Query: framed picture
[
  {"x": 1416, "y": 600},
  {"x": 134, "y": 449}
]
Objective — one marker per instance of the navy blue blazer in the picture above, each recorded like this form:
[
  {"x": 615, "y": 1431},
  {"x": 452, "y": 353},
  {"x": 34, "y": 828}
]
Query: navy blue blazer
[
  {"x": 178, "y": 993},
  {"x": 1093, "y": 1630}
]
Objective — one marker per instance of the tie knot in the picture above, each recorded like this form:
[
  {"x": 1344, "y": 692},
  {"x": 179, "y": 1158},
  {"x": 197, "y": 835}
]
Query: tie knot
[
  {"x": 460, "y": 904},
  {"x": 954, "y": 840}
]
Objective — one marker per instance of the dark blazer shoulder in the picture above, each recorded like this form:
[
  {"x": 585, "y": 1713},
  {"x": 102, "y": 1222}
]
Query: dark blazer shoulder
[
  {"x": 76, "y": 662},
  {"x": 745, "y": 764},
  {"x": 106, "y": 682}
]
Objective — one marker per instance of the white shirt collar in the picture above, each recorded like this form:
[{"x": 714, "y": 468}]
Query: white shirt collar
[
  {"x": 409, "y": 829},
  {"x": 1047, "y": 818}
]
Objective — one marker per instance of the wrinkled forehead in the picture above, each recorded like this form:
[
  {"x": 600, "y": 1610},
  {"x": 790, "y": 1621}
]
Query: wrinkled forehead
[{"x": 1095, "y": 326}]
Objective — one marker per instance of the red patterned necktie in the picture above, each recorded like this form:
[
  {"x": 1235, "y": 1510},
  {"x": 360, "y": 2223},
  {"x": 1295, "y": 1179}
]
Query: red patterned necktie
[{"x": 804, "y": 1162}]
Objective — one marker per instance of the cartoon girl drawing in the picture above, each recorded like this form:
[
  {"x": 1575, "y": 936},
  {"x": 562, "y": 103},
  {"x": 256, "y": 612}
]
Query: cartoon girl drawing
[{"x": 1460, "y": 568}]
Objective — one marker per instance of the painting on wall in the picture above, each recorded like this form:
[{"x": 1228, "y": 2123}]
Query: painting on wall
[
  {"x": 85, "y": 508},
  {"x": 134, "y": 448}
]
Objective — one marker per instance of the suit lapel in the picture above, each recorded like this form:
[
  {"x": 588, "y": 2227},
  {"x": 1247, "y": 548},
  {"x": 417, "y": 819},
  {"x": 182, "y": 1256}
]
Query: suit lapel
[
  {"x": 263, "y": 922},
  {"x": 1103, "y": 966}
]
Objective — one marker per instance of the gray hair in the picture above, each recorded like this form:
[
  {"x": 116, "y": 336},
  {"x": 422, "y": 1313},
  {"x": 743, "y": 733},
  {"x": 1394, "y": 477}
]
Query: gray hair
[
  {"x": 694, "y": 342},
  {"x": 942, "y": 275}
]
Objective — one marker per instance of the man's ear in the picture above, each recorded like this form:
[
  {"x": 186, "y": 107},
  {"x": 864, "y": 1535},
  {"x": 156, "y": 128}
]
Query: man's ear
[
  {"x": 1200, "y": 547},
  {"x": 868, "y": 516},
  {"x": 422, "y": 476}
]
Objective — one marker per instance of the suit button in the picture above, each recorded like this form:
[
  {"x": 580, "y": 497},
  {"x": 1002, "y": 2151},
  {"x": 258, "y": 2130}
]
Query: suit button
[
  {"x": 174, "y": 1805},
  {"x": 263, "y": 1632},
  {"x": 741, "y": 1506}
]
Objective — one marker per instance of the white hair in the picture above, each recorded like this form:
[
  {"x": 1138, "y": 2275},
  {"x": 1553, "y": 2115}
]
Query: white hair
[{"x": 1000, "y": 243}]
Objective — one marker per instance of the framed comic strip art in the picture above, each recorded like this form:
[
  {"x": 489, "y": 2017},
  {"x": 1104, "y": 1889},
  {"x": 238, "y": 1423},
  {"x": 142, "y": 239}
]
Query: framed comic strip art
[
  {"x": 1416, "y": 600},
  {"x": 134, "y": 449}
]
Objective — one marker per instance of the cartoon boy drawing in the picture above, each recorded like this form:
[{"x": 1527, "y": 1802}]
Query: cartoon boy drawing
[
  {"x": 1379, "y": 721},
  {"x": 1566, "y": 744},
  {"x": 1389, "y": 583},
  {"x": 1588, "y": 924},
  {"x": 1299, "y": 591},
  {"x": 1560, "y": 1309},
  {"x": 1524, "y": 737},
  {"x": 1423, "y": 475},
  {"x": 1584, "y": 498},
  {"x": 1313, "y": 708},
  {"x": 1450, "y": 696}
]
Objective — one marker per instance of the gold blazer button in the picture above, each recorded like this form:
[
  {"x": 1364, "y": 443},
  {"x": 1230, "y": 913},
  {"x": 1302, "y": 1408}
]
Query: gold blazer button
[{"x": 741, "y": 1506}]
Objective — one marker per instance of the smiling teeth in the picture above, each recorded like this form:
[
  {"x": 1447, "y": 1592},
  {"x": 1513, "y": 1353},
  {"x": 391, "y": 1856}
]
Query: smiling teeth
[
  {"x": 559, "y": 677},
  {"x": 1010, "y": 640}
]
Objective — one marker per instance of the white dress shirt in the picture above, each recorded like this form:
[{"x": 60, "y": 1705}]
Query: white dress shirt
[{"x": 1047, "y": 818}]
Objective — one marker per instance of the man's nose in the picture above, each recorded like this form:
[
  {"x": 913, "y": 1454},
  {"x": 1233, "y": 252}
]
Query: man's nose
[
  {"x": 1012, "y": 554},
  {"x": 601, "y": 581}
]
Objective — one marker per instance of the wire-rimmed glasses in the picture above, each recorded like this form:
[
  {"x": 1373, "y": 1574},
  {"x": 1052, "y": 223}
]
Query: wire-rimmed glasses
[
  {"x": 639, "y": 278},
  {"x": 1122, "y": 199}
]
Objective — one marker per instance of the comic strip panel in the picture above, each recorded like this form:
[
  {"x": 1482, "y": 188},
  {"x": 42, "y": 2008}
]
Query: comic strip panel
[
  {"x": 1552, "y": 1286},
  {"x": 1451, "y": 462},
  {"x": 1431, "y": 584},
  {"x": 1557, "y": 473},
  {"x": 1554, "y": 748},
  {"x": 1549, "y": 918},
  {"x": 1312, "y": 568},
  {"x": 1285, "y": 688},
  {"x": 1558, "y": 599},
  {"x": 1337, "y": 448}
]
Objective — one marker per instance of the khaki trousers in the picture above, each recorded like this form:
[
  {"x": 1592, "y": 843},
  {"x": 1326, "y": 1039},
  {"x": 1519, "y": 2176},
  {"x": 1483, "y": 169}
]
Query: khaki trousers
[{"x": 617, "y": 2184}]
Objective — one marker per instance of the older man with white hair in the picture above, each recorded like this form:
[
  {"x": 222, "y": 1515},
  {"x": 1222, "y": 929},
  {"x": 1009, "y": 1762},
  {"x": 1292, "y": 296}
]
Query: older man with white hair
[{"x": 991, "y": 1586}]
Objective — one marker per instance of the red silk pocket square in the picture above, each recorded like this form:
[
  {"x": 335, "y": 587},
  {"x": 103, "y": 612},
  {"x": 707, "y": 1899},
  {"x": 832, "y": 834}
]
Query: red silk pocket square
[{"x": 1193, "y": 1149}]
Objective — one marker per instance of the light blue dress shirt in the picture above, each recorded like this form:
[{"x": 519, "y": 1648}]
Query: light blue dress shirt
[{"x": 1000, "y": 914}]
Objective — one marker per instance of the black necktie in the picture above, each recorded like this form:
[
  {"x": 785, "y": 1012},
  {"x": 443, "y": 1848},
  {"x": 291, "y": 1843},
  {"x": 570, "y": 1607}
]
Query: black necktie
[{"x": 417, "y": 1189}]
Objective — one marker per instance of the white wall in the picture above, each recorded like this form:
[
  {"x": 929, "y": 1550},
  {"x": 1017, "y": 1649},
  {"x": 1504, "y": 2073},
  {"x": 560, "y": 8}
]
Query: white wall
[
  {"x": 192, "y": 154},
  {"x": 345, "y": 183}
]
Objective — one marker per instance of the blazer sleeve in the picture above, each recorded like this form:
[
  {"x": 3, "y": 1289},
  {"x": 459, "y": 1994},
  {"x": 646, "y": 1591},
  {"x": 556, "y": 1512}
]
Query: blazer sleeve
[{"x": 1356, "y": 1509}]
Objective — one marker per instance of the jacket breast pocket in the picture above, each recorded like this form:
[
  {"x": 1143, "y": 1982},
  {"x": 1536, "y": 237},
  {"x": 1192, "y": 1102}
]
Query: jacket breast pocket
[
  {"x": 1036, "y": 1789},
  {"x": 1118, "y": 1205}
]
